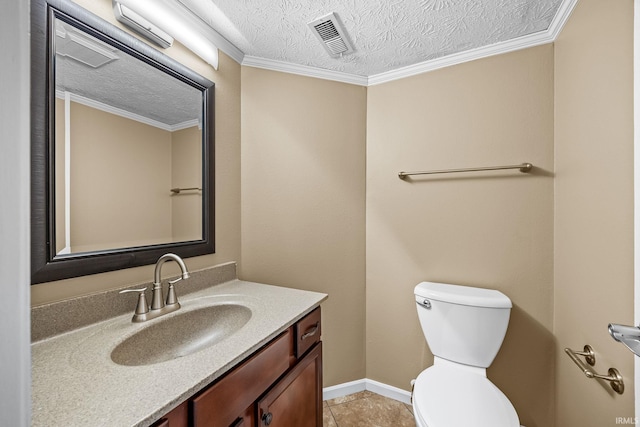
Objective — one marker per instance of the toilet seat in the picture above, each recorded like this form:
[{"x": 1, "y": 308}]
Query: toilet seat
[{"x": 449, "y": 396}]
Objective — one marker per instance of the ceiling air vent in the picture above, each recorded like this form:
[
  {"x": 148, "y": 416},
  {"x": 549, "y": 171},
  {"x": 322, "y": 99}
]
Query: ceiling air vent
[
  {"x": 331, "y": 35},
  {"x": 82, "y": 47}
]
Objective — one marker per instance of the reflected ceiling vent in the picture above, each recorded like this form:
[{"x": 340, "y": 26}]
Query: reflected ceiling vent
[
  {"x": 141, "y": 26},
  {"x": 331, "y": 34},
  {"x": 81, "y": 47}
]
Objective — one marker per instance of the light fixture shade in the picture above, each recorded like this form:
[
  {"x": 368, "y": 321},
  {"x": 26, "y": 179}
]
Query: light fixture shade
[
  {"x": 179, "y": 23},
  {"x": 141, "y": 26}
]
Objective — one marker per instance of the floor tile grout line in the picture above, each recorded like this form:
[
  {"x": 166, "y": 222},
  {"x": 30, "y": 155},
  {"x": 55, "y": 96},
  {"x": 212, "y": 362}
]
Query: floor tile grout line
[
  {"x": 333, "y": 416},
  {"x": 408, "y": 408}
]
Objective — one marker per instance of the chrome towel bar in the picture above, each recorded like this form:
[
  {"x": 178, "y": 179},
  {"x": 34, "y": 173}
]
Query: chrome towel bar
[
  {"x": 615, "y": 379},
  {"x": 523, "y": 167}
]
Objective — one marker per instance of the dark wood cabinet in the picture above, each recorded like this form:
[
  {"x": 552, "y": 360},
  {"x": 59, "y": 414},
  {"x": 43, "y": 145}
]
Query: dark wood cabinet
[
  {"x": 296, "y": 400},
  {"x": 178, "y": 417},
  {"x": 279, "y": 385},
  {"x": 222, "y": 403}
]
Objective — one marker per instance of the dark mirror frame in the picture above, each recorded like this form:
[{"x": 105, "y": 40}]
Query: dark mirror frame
[{"x": 45, "y": 266}]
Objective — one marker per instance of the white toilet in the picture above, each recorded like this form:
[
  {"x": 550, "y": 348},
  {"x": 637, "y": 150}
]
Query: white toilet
[{"x": 464, "y": 328}]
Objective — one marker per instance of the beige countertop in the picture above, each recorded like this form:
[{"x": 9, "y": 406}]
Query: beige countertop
[{"x": 75, "y": 382}]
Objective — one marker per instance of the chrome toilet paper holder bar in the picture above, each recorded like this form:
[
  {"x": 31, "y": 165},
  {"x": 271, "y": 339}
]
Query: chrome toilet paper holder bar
[{"x": 615, "y": 379}]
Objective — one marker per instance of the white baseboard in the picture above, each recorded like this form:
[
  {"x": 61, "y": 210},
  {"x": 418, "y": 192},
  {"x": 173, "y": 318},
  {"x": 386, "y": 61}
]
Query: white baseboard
[
  {"x": 382, "y": 389},
  {"x": 343, "y": 389}
]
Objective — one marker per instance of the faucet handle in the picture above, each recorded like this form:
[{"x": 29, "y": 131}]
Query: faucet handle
[
  {"x": 172, "y": 299},
  {"x": 133, "y": 290},
  {"x": 142, "y": 307}
]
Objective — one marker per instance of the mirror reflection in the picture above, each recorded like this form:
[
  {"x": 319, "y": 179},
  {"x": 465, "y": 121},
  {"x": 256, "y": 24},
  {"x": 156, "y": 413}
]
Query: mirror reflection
[{"x": 128, "y": 150}]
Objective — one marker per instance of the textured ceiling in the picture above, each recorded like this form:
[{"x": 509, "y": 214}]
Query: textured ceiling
[{"x": 386, "y": 34}]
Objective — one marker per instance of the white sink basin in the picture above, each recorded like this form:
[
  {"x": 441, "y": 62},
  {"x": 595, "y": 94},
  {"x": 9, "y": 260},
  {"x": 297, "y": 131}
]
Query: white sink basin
[{"x": 181, "y": 335}]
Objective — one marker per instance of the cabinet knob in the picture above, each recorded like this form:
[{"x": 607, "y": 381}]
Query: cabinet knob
[{"x": 266, "y": 418}]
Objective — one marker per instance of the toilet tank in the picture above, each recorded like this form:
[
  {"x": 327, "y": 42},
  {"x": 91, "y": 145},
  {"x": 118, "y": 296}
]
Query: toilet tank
[{"x": 463, "y": 324}]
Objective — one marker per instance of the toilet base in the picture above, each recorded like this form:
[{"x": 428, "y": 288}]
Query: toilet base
[{"x": 450, "y": 395}]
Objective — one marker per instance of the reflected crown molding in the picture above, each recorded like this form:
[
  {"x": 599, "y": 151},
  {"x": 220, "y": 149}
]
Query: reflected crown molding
[{"x": 126, "y": 114}]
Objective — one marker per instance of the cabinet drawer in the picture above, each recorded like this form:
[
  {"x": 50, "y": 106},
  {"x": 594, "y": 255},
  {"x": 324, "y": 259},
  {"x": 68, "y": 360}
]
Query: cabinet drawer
[
  {"x": 247, "y": 419},
  {"x": 308, "y": 331},
  {"x": 222, "y": 403}
]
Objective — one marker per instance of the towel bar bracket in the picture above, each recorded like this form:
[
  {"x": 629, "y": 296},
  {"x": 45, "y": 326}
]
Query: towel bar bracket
[{"x": 588, "y": 354}]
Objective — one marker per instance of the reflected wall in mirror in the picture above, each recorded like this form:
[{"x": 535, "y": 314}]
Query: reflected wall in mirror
[
  {"x": 122, "y": 149},
  {"x": 126, "y": 134}
]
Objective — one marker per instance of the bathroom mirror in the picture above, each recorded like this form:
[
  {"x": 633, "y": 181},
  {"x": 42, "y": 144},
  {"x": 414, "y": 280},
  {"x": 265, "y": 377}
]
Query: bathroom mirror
[{"x": 122, "y": 149}]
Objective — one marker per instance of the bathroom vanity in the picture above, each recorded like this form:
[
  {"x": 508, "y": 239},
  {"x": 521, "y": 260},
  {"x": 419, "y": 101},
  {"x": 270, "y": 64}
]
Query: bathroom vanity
[
  {"x": 279, "y": 385},
  {"x": 267, "y": 372}
]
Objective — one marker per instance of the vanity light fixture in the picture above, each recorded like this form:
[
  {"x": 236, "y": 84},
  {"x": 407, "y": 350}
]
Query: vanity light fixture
[
  {"x": 179, "y": 23},
  {"x": 141, "y": 26}
]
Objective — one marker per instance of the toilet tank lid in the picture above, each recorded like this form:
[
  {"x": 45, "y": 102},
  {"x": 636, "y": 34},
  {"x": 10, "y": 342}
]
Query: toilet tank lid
[{"x": 462, "y": 295}]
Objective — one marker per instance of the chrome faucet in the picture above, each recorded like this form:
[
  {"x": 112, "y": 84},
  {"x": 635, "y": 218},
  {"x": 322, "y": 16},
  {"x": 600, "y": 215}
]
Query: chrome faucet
[
  {"x": 156, "y": 300},
  {"x": 158, "y": 304}
]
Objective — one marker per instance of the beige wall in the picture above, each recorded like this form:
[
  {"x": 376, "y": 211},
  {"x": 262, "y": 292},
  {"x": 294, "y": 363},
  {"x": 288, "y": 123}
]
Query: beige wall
[
  {"x": 121, "y": 174},
  {"x": 594, "y": 206},
  {"x": 303, "y": 190},
  {"x": 120, "y": 179},
  {"x": 492, "y": 230},
  {"x": 227, "y": 148}
]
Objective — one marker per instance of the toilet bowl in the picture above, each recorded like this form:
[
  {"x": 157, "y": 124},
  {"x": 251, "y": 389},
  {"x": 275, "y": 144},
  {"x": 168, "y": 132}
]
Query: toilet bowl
[
  {"x": 464, "y": 328},
  {"x": 450, "y": 396}
]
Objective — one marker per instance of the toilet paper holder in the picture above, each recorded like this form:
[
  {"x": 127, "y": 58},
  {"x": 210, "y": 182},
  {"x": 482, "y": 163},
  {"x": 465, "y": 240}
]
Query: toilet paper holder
[{"x": 615, "y": 379}]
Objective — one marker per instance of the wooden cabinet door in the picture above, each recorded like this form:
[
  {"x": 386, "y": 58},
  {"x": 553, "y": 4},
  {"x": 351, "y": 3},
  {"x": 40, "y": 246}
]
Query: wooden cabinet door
[
  {"x": 220, "y": 404},
  {"x": 296, "y": 400}
]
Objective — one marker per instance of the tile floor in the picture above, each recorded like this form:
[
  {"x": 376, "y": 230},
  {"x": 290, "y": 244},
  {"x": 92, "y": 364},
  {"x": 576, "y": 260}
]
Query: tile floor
[{"x": 367, "y": 409}]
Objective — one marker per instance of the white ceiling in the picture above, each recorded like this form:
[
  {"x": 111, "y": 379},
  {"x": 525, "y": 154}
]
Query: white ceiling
[{"x": 387, "y": 35}]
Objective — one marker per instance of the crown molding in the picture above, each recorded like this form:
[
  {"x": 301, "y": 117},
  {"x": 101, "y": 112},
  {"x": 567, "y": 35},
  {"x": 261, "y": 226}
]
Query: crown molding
[
  {"x": 531, "y": 40},
  {"x": 304, "y": 70},
  {"x": 126, "y": 114},
  {"x": 561, "y": 18},
  {"x": 512, "y": 45}
]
